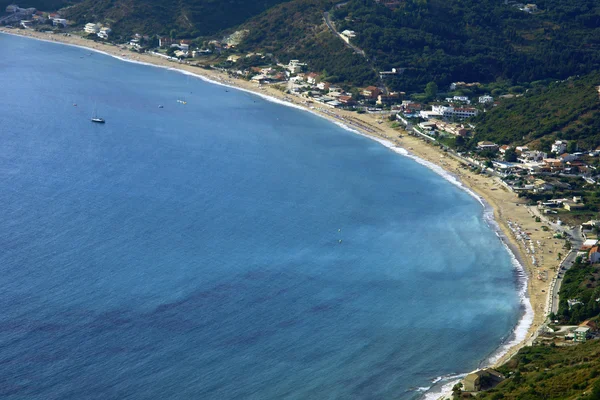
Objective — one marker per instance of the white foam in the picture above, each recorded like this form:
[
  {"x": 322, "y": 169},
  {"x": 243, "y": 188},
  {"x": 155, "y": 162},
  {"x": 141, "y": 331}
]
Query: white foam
[{"x": 442, "y": 386}]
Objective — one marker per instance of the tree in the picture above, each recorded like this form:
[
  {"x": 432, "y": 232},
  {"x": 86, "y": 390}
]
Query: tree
[
  {"x": 431, "y": 90},
  {"x": 457, "y": 390},
  {"x": 510, "y": 155},
  {"x": 572, "y": 146}
]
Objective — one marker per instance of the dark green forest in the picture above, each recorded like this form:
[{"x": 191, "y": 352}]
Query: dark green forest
[
  {"x": 184, "y": 19},
  {"x": 477, "y": 40}
]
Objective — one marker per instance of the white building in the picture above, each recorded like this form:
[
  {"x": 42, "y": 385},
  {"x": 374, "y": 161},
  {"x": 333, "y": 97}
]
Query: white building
[
  {"x": 12, "y": 8},
  {"x": 104, "y": 32},
  {"x": 444, "y": 111},
  {"x": 430, "y": 114},
  {"x": 485, "y": 145},
  {"x": 347, "y": 35},
  {"x": 532, "y": 156},
  {"x": 463, "y": 99},
  {"x": 463, "y": 113},
  {"x": 559, "y": 146},
  {"x": 91, "y": 28},
  {"x": 295, "y": 66},
  {"x": 486, "y": 99}
]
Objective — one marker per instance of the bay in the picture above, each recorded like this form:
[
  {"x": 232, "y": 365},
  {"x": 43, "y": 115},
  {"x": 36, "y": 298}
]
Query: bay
[{"x": 193, "y": 251}]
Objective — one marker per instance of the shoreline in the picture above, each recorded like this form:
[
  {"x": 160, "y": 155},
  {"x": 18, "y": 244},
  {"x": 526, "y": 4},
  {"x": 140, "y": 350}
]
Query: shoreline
[{"x": 496, "y": 200}]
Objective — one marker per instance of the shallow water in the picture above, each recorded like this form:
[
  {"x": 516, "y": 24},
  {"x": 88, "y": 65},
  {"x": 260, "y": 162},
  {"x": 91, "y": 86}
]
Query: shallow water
[{"x": 193, "y": 251}]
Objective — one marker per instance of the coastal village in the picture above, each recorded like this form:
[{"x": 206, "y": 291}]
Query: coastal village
[{"x": 552, "y": 184}]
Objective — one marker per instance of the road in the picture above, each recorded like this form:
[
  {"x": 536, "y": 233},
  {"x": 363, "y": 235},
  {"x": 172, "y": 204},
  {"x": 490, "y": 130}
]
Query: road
[
  {"x": 335, "y": 32},
  {"x": 356, "y": 49},
  {"x": 576, "y": 238}
]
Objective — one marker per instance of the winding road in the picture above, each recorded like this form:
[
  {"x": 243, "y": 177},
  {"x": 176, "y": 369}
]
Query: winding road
[{"x": 356, "y": 49}]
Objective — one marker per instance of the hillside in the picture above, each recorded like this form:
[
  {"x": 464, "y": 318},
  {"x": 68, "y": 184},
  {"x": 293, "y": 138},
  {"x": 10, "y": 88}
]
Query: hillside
[
  {"x": 561, "y": 110},
  {"x": 477, "y": 40},
  {"x": 39, "y": 4},
  {"x": 430, "y": 40},
  {"x": 185, "y": 18},
  {"x": 545, "y": 372},
  {"x": 447, "y": 41},
  {"x": 296, "y": 30}
]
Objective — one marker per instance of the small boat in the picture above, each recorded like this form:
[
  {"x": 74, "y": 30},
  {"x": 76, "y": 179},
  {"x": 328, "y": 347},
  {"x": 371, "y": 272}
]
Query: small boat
[
  {"x": 160, "y": 106},
  {"x": 95, "y": 118}
]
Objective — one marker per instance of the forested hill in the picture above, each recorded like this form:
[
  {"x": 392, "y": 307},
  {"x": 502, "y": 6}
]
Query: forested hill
[
  {"x": 545, "y": 372},
  {"x": 477, "y": 40},
  {"x": 442, "y": 41},
  {"x": 46, "y": 5},
  {"x": 447, "y": 40},
  {"x": 184, "y": 18},
  {"x": 296, "y": 30},
  {"x": 568, "y": 109}
]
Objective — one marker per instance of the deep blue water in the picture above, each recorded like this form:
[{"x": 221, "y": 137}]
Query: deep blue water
[{"x": 193, "y": 251}]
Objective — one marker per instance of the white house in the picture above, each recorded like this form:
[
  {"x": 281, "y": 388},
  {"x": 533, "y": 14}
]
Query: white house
[
  {"x": 347, "y": 35},
  {"x": 295, "y": 66},
  {"x": 312, "y": 78},
  {"x": 104, "y": 32},
  {"x": 485, "y": 145},
  {"x": 532, "y": 156},
  {"x": 429, "y": 114},
  {"x": 91, "y": 28},
  {"x": 59, "y": 21},
  {"x": 486, "y": 99},
  {"x": 559, "y": 147},
  {"x": 463, "y": 99}
]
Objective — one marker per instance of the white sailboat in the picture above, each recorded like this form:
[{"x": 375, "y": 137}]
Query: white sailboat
[{"x": 97, "y": 119}]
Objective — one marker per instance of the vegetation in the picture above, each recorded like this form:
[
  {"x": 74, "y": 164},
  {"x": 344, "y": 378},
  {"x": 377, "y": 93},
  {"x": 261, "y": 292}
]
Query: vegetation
[
  {"x": 476, "y": 40},
  {"x": 38, "y": 4},
  {"x": 296, "y": 30},
  {"x": 547, "y": 372},
  {"x": 568, "y": 110},
  {"x": 182, "y": 19},
  {"x": 580, "y": 283}
]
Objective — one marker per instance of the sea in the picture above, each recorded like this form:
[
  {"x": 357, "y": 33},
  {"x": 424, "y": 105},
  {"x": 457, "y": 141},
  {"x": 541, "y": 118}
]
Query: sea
[{"x": 227, "y": 248}]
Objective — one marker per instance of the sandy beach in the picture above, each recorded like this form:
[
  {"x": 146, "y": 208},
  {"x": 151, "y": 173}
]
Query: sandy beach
[{"x": 509, "y": 211}]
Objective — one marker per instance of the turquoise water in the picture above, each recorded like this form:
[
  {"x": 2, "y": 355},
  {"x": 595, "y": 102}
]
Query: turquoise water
[{"x": 192, "y": 251}]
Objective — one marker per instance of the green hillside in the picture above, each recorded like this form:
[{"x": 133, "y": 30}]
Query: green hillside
[
  {"x": 431, "y": 40},
  {"x": 476, "y": 40},
  {"x": 39, "y": 4},
  {"x": 545, "y": 372},
  {"x": 185, "y": 18},
  {"x": 296, "y": 30},
  {"x": 561, "y": 110}
]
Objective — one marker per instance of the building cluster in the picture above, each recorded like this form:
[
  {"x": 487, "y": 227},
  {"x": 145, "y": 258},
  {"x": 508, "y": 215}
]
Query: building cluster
[
  {"x": 99, "y": 30},
  {"x": 28, "y": 18},
  {"x": 528, "y": 8}
]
